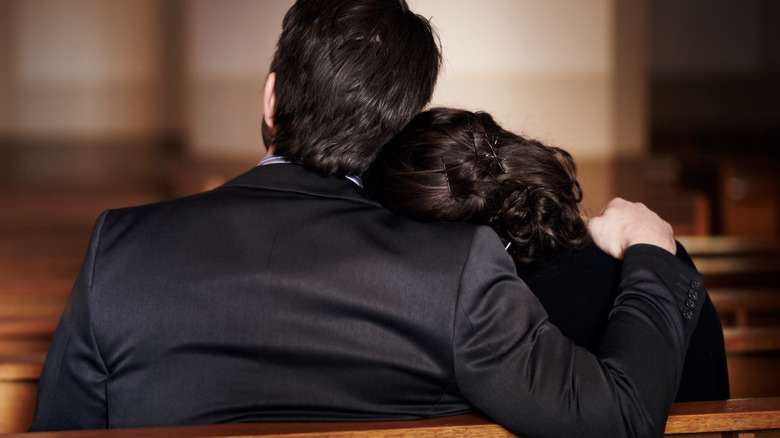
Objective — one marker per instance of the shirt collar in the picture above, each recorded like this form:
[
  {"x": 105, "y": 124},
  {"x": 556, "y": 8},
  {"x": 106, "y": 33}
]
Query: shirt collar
[{"x": 275, "y": 159}]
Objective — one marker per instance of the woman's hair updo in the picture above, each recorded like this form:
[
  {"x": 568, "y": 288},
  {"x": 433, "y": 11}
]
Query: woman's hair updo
[{"x": 456, "y": 165}]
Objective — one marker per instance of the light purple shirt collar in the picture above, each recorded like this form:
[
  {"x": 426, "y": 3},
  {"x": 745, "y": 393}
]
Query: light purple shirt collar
[{"x": 274, "y": 159}]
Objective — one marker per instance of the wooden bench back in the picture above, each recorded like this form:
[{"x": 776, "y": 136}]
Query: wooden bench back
[
  {"x": 18, "y": 386},
  {"x": 759, "y": 417}
]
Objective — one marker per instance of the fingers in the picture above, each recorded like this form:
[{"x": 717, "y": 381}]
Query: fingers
[{"x": 622, "y": 223}]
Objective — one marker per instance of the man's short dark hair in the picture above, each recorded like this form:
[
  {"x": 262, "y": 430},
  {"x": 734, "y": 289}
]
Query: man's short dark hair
[{"x": 349, "y": 75}]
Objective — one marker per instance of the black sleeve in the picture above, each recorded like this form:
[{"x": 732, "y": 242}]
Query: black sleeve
[
  {"x": 705, "y": 373},
  {"x": 519, "y": 370},
  {"x": 72, "y": 386}
]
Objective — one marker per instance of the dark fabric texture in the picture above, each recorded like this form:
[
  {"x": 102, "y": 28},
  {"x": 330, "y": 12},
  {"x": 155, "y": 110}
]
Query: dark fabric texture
[
  {"x": 578, "y": 290},
  {"x": 284, "y": 295}
]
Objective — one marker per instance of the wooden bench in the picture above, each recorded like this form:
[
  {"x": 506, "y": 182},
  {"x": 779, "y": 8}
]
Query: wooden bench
[
  {"x": 37, "y": 273},
  {"x": 755, "y": 417},
  {"x": 749, "y": 417},
  {"x": 744, "y": 307},
  {"x": 730, "y": 261},
  {"x": 736, "y": 262},
  {"x": 753, "y": 356},
  {"x": 19, "y": 375},
  {"x": 42, "y": 297},
  {"x": 24, "y": 335},
  {"x": 63, "y": 244},
  {"x": 752, "y": 339},
  {"x": 724, "y": 246},
  {"x": 740, "y": 271},
  {"x": 32, "y": 269},
  {"x": 30, "y": 212}
]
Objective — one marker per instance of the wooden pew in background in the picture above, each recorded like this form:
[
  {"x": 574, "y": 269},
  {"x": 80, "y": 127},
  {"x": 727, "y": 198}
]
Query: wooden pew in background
[
  {"x": 747, "y": 307},
  {"x": 753, "y": 357},
  {"x": 743, "y": 280},
  {"x": 26, "y": 335},
  {"x": 722, "y": 245},
  {"x": 736, "y": 262},
  {"x": 743, "y": 276},
  {"x": 36, "y": 275},
  {"x": 34, "y": 297},
  {"x": 18, "y": 385},
  {"x": 737, "y": 417},
  {"x": 43, "y": 239},
  {"x": 55, "y": 212},
  {"x": 44, "y": 233}
]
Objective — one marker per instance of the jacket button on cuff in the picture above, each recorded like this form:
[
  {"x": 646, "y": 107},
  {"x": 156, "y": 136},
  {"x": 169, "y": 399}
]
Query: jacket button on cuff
[{"x": 687, "y": 313}]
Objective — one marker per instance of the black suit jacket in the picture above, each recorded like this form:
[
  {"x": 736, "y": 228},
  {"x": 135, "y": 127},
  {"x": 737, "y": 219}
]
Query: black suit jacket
[
  {"x": 578, "y": 289},
  {"x": 284, "y": 295}
]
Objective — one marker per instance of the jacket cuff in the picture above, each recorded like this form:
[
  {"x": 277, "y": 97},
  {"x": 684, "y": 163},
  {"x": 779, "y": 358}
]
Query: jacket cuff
[{"x": 684, "y": 282}]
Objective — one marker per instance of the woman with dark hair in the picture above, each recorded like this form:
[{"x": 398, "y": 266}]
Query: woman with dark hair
[{"x": 456, "y": 165}]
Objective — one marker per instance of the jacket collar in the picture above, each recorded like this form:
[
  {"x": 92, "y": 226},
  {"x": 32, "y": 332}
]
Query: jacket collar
[{"x": 294, "y": 178}]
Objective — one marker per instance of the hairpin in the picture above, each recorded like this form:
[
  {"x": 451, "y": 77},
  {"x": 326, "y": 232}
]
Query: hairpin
[
  {"x": 446, "y": 175},
  {"x": 492, "y": 156}
]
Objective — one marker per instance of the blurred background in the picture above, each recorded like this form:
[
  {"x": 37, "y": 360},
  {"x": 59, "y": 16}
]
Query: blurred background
[
  {"x": 675, "y": 103},
  {"x": 650, "y": 96}
]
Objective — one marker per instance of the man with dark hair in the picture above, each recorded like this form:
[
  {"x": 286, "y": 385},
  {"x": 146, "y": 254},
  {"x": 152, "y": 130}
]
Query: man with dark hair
[
  {"x": 288, "y": 294},
  {"x": 347, "y": 76}
]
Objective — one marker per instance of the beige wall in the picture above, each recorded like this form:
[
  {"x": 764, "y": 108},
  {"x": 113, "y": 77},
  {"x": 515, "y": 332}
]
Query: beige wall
[
  {"x": 543, "y": 68},
  {"x": 82, "y": 68},
  {"x": 5, "y": 67},
  {"x": 229, "y": 48},
  {"x": 568, "y": 72}
]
